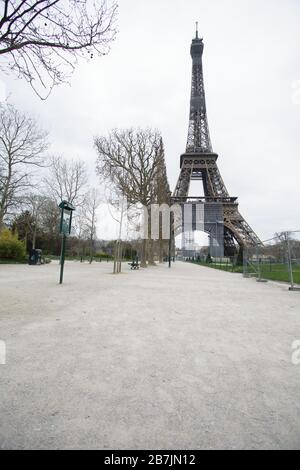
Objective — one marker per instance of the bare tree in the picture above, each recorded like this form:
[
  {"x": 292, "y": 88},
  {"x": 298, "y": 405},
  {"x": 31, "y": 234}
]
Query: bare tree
[
  {"x": 35, "y": 204},
  {"x": 131, "y": 161},
  {"x": 49, "y": 219},
  {"x": 66, "y": 180},
  {"x": 118, "y": 208},
  {"x": 89, "y": 218},
  {"x": 163, "y": 195},
  {"x": 22, "y": 224},
  {"x": 22, "y": 146},
  {"x": 31, "y": 218},
  {"x": 42, "y": 39}
]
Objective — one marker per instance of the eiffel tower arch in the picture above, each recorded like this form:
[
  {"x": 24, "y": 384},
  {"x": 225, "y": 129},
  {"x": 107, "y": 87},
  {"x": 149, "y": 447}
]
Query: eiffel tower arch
[
  {"x": 199, "y": 162},
  {"x": 197, "y": 214}
]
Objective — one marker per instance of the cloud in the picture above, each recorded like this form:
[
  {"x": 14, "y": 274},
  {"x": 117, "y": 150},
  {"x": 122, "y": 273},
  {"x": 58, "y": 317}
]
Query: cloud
[{"x": 251, "y": 72}]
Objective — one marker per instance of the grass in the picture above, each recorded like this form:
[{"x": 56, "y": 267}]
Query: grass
[
  {"x": 229, "y": 267},
  {"x": 12, "y": 261},
  {"x": 279, "y": 272},
  {"x": 270, "y": 271},
  {"x": 77, "y": 258},
  {"x": 97, "y": 259}
]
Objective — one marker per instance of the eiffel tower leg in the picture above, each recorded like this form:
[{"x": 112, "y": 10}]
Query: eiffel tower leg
[
  {"x": 183, "y": 183},
  {"x": 204, "y": 167},
  {"x": 229, "y": 243},
  {"x": 238, "y": 228}
]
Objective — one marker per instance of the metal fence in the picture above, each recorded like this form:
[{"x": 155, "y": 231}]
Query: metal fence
[{"x": 278, "y": 259}]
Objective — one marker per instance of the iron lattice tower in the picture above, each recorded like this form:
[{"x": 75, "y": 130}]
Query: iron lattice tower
[
  {"x": 199, "y": 162},
  {"x": 198, "y": 133}
]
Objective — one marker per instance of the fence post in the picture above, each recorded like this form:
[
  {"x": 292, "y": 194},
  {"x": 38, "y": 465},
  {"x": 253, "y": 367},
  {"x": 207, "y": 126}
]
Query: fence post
[
  {"x": 289, "y": 260},
  {"x": 245, "y": 255},
  {"x": 290, "y": 265},
  {"x": 170, "y": 242},
  {"x": 258, "y": 260}
]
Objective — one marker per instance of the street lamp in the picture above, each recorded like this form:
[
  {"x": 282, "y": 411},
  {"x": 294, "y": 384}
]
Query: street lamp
[{"x": 65, "y": 229}]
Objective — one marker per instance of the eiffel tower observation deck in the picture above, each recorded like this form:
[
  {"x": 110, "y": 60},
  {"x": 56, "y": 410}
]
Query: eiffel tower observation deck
[{"x": 199, "y": 162}]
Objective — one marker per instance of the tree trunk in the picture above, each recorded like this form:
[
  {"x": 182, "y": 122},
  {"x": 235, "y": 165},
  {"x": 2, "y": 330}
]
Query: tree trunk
[
  {"x": 160, "y": 250},
  {"x": 151, "y": 252},
  {"x": 1, "y": 221},
  {"x": 115, "y": 257},
  {"x": 34, "y": 239},
  {"x": 144, "y": 253},
  {"x": 5, "y": 192},
  {"x": 91, "y": 249},
  {"x": 120, "y": 257},
  {"x": 25, "y": 240}
]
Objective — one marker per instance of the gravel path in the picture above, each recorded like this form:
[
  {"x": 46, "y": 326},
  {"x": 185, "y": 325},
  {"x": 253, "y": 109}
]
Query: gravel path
[{"x": 184, "y": 358}]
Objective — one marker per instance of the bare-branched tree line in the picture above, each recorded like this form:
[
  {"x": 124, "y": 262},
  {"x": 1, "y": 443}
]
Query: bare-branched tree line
[
  {"x": 86, "y": 222},
  {"x": 67, "y": 180},
  {"x": 133, "y": 162},
  {"x": 32, "y": 184},
  {"x": 130, "y": 162},
  {"x": 22, "y": 147}
]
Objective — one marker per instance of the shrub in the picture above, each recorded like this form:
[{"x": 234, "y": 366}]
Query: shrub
[
  {"x": 102, "y": 256},
  {"x": 11, "y": 247}
]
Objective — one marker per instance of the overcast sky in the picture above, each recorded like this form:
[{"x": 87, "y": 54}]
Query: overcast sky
[{"x": 252, "y": 81}]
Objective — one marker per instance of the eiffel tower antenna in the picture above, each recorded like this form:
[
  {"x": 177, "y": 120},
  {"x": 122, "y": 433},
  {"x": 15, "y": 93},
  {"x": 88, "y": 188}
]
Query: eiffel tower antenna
[{"x": 196, "y": 29}]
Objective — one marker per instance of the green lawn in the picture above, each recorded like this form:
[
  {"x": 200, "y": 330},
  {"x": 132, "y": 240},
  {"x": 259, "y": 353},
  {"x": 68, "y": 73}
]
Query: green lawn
[
  {"x": 279, "y": 272},
  {"x": 271, "y": 271},
  {"x": 12, "y": 261}
]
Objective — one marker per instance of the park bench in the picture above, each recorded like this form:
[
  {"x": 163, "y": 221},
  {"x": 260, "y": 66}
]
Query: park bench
[{"x": 134, "y": 265}]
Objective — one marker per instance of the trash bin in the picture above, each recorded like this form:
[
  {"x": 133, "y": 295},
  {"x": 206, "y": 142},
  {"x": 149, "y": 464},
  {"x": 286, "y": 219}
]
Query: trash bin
[{"x": 35, "y": 257}]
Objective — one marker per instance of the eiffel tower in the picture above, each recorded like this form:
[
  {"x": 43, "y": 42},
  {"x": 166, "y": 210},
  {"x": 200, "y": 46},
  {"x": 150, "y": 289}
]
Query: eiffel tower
[{"x": 199, "y": 162}]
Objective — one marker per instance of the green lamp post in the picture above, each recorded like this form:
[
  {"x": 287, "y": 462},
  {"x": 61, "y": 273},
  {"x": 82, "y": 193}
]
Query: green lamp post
[{"x": 65, "y": 229}]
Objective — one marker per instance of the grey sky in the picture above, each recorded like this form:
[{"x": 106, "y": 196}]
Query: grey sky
[{"x": 252, "y": 81}]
